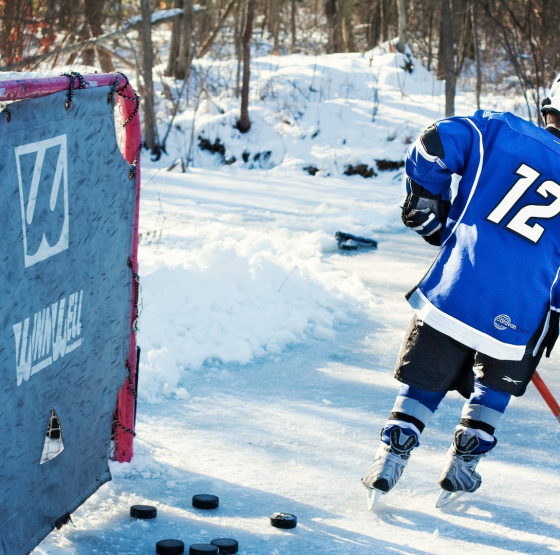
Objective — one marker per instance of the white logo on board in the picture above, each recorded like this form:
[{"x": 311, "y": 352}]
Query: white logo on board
[
  {"x": 42, "y": 338},
  {"x": 43, "y": 180}
]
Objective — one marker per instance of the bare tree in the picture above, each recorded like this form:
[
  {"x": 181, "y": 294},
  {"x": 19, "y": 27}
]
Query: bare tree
[
  {"x": 8, "y": 46},
  {"x": 385, "y": 13},
  {"x": 504, "y": 38},
  {"x": 244, "y": 123},
  {"x": 275, "y": 8},
  {"x": 293, "y": 29},
  {"x": 477, "y": 54},
  {"x": 147, "y": 73},
  {"x": 206, "y": 21},
  {"x": 184, "y": 58},
  {"x": 402, "y": 25},
  {"x": 94, "y": 11},
  {"x": 335, "y": 20},
  {"x": 239, "y": 26},
  {"x": 207, "y": 45},
  {"x": 431, "y": 38},
  {"x": 175, "y": 42},
  {"x": 447, "y": 57},
  {"x": 372, "y": 20},
  {"x": 527, "y": 31},
  {"x": 348, "y": 29}
]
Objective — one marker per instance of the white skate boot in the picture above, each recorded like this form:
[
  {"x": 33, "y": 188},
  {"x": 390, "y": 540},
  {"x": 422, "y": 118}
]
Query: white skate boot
[
  {"x": 388, "y": 464},
  {"x": 460, "y": 476}
]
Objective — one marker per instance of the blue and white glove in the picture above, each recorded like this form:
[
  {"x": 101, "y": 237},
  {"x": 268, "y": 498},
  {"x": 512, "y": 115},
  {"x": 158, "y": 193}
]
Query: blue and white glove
[{"x": 425, "y": 213}]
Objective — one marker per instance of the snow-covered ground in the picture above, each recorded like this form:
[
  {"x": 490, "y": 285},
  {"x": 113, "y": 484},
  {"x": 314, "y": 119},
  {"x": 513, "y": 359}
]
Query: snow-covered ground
[{"x": 267, "y": 357}]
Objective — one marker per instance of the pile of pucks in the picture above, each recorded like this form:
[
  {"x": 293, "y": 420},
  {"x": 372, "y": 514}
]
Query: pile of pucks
[{"x": 218, "y": 546}]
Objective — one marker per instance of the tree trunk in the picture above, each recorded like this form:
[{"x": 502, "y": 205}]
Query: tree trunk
[
  {"x": 374, "y": 29},
  {"x": 440, "y": 73},
  {"x": 205, "y": 22},
  {"x": 477, "y": 56},
  {"x": 330, "y": 13},
  {"x": 275, "y": 25},
  {"x": 465, "y": 36},
  {"x": 94, "y": 13},
  {"x": 402, "y": 25},
  {"x": 349, "y": 41},
  {"x": 338, "y": 38},
  {"x": 205, "y": 48},
  {"x": 265, "y": 18},
  {"x": 244, "y": 123},
  {"x": 293, "y": 28},
  {"x": 384, "y": 21},
  {"x": 7, "y": 50},
  {"x": 88, "y": 53},
  {"x": 147, "y": 69},
  {"x": 239, "y": 26},
  {"x": 447, "y": 57},
  {"x": 174, "y": 43},
  {"x": 430, "y": 41},
  {"x": 184, "y": 58}
]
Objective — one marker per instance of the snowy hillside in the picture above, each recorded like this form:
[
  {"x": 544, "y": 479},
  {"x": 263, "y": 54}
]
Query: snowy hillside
[
  {"x": 317, "y": 112},
  {"x": 267, "y": 353}
]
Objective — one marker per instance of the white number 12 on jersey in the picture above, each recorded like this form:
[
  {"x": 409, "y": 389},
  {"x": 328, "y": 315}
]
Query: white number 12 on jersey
[{"x": 519, "y": 224}]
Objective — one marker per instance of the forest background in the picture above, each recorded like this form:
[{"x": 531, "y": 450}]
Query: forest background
[{"x": 509, "y": 47}]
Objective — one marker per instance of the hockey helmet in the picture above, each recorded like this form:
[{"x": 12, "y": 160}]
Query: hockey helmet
[{"x": 552, "y": 102}]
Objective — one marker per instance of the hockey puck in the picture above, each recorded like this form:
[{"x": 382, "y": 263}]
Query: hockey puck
[
  {"x": 145, "y": 512},
  {"x": 170, "y": 547},
  {"x": 226, "y": 546},
  {"x": 283, "y": 520},
  {"x": 203, "y": 549},
  {"x": 348, "y": 246},
  {"x": 205, "y": 501}
]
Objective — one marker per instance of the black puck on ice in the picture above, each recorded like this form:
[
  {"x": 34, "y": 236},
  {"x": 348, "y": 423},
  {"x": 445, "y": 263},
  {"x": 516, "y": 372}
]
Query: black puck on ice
[
  {"x": 226, "y": 546},
  {"x": 203, "y": 549},
  {"x": 283, "y": 520},
  {"x": 144, "y": 512},
  {"x": 170, "y": 547},
  {"x": 205, "y": 501}
]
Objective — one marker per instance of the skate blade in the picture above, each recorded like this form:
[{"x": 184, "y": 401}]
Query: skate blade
[
  {"x": 373, "y": 497},
  {"x": 448, "y": 497}
]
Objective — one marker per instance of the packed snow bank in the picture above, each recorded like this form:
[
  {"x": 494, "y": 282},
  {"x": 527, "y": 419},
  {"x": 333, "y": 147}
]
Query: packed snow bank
[
  {"x": 235, "y": 263},
  {"x": 242, "y": 268}
]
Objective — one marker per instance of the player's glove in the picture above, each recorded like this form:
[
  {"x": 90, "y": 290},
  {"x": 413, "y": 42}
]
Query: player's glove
[{"x": 425, "y": 213}]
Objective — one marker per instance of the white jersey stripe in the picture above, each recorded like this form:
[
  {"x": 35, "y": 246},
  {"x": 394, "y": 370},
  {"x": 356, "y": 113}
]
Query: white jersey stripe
[
  {"x": 461, "y": 332},
  {"x": 475, "y": 183}
]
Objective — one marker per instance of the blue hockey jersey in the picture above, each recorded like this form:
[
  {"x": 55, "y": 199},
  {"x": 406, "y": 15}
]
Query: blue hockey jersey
[{"x": 495, "y": 278}]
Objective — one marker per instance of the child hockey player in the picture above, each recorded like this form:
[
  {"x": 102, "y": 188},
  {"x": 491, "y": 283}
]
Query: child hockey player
[{"x": 488, "y": 306}]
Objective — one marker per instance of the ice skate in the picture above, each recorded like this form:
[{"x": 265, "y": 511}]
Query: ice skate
[
  {"x": 388, "y": 464},
  {"x": 460, "y": 476}
]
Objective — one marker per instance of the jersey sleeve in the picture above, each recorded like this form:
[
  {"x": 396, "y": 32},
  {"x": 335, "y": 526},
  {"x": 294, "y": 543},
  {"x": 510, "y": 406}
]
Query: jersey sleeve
[{"x": 441, "y": 151}]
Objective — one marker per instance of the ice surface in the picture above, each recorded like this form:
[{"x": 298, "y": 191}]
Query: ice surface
[{"x": 267, "y": 355}]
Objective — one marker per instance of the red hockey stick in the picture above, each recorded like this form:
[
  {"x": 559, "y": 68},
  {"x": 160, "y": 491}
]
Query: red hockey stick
[{"x": 546, "y": 395}]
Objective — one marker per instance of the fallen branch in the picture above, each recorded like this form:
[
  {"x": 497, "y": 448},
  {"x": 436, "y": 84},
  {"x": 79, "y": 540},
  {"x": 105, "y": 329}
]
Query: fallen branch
[{"x": 131, "y": 24}]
